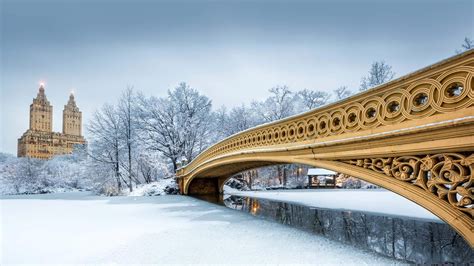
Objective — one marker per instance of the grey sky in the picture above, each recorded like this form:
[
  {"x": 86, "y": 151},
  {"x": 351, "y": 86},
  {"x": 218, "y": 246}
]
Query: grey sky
[{"x": 231, "y": 51}]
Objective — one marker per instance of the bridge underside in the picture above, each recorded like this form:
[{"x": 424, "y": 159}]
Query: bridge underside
[
  {"x": 413, "y": 136},
  {"x": 211, "y": 182}
]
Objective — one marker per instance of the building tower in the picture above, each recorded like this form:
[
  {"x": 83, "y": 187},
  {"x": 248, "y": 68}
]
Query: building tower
[
  {"x": 72, "y": 118},
  {"x": 39, "y": 141},
  {"x": 41, "y": 113}
]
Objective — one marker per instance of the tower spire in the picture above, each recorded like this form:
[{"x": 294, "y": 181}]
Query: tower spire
[
  {"x": 41, "y": 88},
  {"x": 72, "y": 117},
  {"x": 71, "y": 103},
  {"x": 41, "y": 112}
]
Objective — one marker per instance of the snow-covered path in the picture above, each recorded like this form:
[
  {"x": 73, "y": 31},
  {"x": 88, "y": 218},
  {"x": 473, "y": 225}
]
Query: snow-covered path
[{"x": 80, "y": 228}]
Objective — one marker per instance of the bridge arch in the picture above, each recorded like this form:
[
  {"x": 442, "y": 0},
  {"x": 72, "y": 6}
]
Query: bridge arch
[{"x": 413, "y": 136}]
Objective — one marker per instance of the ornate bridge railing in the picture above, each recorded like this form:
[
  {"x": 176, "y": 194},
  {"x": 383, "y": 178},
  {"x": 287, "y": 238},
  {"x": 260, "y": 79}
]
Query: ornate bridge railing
[{"x": 413, "y": 135}]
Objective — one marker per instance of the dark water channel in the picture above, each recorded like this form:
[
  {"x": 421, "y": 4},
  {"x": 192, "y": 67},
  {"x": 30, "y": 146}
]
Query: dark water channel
[{"x": 404, "y": 238}]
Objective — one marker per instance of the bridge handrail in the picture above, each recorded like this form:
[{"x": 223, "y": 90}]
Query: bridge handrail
[{"x": 443, "y": 87}]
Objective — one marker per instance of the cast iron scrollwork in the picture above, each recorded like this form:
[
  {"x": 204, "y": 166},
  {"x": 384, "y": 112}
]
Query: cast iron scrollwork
[{"x": 449, "y": 176}]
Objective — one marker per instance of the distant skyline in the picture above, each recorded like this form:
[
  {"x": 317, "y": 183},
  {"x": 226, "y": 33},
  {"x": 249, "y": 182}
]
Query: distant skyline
[{"x": 231, "y": 51}]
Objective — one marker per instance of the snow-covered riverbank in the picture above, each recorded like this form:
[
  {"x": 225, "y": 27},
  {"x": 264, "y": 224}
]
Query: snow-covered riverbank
[
  {"x": 80, "y": 228},
  {"x": 369, "y": 200}
]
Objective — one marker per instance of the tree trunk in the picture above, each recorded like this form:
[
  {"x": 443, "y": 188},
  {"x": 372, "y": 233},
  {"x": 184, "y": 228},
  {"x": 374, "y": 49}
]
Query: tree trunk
[
  {"x": 280, "y": 176},
  {"x": 250, "y": 179},
  {"x": 117, "y": 176},
  {"x": 175, "y": 165},
  {"x": 117, "y": 168},
  {"x": 130, "y": 166}
]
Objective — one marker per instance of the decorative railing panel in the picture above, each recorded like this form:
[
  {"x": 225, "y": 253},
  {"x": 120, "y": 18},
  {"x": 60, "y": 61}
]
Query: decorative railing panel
[{"x": 449, "y": 176}]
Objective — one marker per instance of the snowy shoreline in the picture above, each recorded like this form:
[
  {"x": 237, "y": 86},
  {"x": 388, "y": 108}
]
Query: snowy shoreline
[
  {"x": 375, "y": 201},
  {"x": 80, "y": 228}
]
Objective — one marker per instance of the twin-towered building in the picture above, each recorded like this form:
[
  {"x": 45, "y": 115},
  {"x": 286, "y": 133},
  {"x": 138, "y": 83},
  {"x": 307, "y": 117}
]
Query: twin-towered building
[{"x": 39, "y": 141}]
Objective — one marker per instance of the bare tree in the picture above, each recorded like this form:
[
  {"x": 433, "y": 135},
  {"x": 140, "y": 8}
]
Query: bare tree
[
  {"x": 342, "y": 93},
  {"x": 311, "y": 99},
  {"x": 467, "y": 45},
  {"x": 380, "y": 72}
]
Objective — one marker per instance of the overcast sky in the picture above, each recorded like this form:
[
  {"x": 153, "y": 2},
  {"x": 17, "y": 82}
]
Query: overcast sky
[{"x": 232, "y": 51}]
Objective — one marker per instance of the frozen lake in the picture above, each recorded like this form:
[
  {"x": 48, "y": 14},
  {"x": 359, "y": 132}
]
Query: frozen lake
[
  {"x": 368, "y": 200},
  {"x": 414, "y": 239},
  {"x": 81, "y": 228}
]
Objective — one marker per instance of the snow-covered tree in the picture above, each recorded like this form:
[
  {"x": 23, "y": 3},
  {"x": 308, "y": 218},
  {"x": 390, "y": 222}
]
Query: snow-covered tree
[
  {"x": 342, "y": 93},
  {"x": 151, "y": 166},
  {"x": 24, "y": 175},
  {"x": 241, "y": 118},
  {"x": 129, "y": 131},
  {"x": 31, "y": 176},
  {"x": 379, "y": 73},
  {"x": 105, "y": 131},
  {"x": 178, "y": 125},
  {"x": 310, "y": 99},
  {"x": 194, "y": 119},
  {"x": 220, "y": 119},
  {"x": 158, "y": 127},
  {"x": 278, "y": 105}
]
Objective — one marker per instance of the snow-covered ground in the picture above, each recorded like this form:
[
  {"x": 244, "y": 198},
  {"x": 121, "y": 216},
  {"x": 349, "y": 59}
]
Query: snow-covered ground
[
  {"x": 370, "y": 200},
  {"x": 154, "y": 188},
  {"x": 81, "y": 228}
]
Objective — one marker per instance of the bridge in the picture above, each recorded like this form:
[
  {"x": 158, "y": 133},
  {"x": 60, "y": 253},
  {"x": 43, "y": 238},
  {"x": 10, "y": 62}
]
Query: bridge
[{"x": 413, "y": 136}]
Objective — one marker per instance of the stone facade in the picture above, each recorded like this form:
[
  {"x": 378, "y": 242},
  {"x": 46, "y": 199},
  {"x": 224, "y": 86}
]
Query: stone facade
[
  {"x": 39, "y": 141},
  {"x": 72, "y": 118}
]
